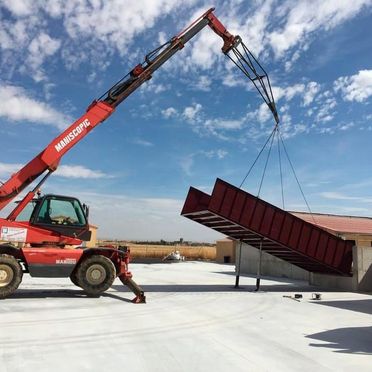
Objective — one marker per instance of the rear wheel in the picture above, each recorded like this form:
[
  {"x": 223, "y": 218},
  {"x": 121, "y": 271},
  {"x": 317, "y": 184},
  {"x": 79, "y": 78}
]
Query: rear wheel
[
  {"x": 10, "y": 275},
  {"x": 95, "y": 274},
  {"x": 74, "y": 279}
]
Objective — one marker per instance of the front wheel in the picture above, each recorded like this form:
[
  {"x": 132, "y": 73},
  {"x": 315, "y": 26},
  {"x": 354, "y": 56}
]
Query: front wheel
[
  {"x": 10, "y": 275},
  {"x": 95, "y": 274}
]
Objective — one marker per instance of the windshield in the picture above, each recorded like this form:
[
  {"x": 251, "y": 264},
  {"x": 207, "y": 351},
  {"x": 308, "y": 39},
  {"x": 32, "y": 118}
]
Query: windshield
[{"x": 27, "y": 211}]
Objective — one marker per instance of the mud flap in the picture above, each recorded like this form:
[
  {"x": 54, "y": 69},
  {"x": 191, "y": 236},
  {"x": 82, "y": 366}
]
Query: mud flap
[{"x": 135, "y": 288}]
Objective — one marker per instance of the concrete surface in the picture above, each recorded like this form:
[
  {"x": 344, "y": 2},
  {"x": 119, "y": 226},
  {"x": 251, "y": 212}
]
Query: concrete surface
[{"x": 194, "y": 321}]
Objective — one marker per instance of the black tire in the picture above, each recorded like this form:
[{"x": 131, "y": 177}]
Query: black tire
[
  {"x": 74, "y": 279},
  {"x": 10, "y": 275},
  {"x": 95, "y": 274}
]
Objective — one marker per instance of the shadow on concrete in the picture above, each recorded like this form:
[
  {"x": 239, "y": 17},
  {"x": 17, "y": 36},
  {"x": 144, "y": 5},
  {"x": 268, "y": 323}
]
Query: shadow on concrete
[
  {"x": 353, "y": 340},
  {"x": 361, "y": 306},
  {"x": 59, "y": 293},
  {"x": 150, "y": 261},
  {"x": 290, "y": 282},
  {"x": 177, "y": 288}
]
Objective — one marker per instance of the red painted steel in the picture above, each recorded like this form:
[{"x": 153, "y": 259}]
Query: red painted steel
[
  {"x": 52, "y": 256},
  {"x": 52, "y": 154},
  {"x": 242, "y": 216}
]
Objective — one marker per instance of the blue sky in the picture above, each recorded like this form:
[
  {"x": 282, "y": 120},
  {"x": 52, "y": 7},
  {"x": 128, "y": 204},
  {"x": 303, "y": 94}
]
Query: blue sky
[{"x": 197, "y": 118}]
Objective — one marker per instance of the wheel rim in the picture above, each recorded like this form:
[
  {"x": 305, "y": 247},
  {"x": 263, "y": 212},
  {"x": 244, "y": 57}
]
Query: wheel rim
[
  {"x": 96, "y": 274},
  {"x": 6, "y": 275}
]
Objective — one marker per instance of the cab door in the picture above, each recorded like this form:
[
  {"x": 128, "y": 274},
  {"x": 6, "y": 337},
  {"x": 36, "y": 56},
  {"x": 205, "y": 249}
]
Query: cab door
[{"x": 62, "y": 214}]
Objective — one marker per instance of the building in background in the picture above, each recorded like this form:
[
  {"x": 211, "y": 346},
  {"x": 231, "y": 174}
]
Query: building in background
[
  {"x": 354, "y": 228},
  {"x": 93, "y": 239}
]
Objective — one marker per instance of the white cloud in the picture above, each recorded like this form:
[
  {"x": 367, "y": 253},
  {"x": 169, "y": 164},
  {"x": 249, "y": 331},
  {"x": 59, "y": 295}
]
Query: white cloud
[
  {"x": 356, "y": 87},
  {"x": 204, "y": 50},
  {"x": 289, "y": 64},
  {"x": 6, "y": 169},
  {"x": 311, "y": 91},
  {"x": 346, "y": 126},
  {"x": 103, "y": 21},
  {"x": 78, "y": 171},
  {"x": 169, "y": 112},
  {"x": 142, "y": 142},
  {"x": 294, "y": 90},
  {"x": 187, "y": 162},
  {"x": 339, "y": 196},
  {"x": 66, "y": 171},
  {"x": 162, "y": 38},
  {"x": 289, "y": 92},
  {"x": 153, "y": 87},
  {"x": 19, "y": 7},
  {"x": 230, "y": 79},
  {"x": 95, "y": 28},
  {"x": 255, "y": 25},
  {"x": 225, "y": 124},
  {"x": 263, "y": 114},
  {"x": 304, "y": 18},
  {"x": 18, "y": 105},
  {"x": 325, "y": 112},
  {"x": 219, "y": 154},
  {"x": 41, "y": 47},
  {"x": 24, "y": 40},
  {"x": 92, "y": 29},
  {"x": 190, "y": 113},
  {"x": 203, "y": 83}
]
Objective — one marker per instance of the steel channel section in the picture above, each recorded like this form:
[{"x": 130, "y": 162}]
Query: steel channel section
[{"x": 242, "y": 216}]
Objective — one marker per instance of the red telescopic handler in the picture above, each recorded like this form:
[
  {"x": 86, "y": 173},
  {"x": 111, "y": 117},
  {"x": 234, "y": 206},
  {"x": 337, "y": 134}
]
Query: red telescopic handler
[{"x": 49, "y": 243}]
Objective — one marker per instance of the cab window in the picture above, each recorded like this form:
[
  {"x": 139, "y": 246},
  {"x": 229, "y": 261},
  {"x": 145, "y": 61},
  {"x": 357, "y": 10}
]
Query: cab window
[
  {"x": 61, "y": 212},
  {"x": 26, "y": 214}
]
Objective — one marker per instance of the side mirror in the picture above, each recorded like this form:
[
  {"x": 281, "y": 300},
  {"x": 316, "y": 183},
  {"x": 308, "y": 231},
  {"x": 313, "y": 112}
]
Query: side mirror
[{"x": 86, "y": 210}]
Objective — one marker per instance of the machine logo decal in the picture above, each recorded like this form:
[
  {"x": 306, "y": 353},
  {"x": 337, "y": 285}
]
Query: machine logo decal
[
  {"x": 72, "y": 135},
  {"x": 66, "y": 261}
]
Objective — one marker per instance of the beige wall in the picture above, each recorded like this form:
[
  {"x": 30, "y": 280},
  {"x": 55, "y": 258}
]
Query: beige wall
[
  {"x": 362, "y": 240},
  {"x": 225, "y": 251},
  {"x": 93, "y": 239}
]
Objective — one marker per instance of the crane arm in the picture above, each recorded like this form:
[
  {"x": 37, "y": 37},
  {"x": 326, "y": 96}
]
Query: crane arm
[{"x": 104, "y": 106}]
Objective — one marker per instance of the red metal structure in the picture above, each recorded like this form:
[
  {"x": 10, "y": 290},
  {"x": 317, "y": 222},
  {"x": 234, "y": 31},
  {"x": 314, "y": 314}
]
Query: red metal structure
[
  {"x": 244, "y": 217},
  {"x": 59, "y": 221}
]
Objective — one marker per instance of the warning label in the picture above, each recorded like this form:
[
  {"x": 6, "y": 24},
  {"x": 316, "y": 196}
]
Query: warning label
[{"x": 13, "y": 234}]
